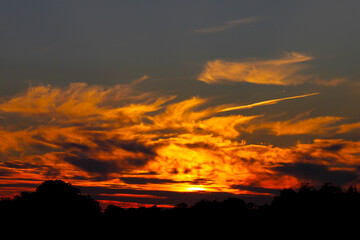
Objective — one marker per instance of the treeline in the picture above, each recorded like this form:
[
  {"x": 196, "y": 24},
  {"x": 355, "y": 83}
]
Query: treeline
[{"x": 56, "y": 200}]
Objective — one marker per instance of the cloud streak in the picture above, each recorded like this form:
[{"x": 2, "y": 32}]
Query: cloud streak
[{"x": 267, "y": 102}]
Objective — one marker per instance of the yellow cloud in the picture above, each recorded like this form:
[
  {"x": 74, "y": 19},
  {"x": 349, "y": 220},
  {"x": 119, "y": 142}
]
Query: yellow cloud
[
  {"x": 283, "y": 71},
  {"x": 74, "y": 101},
  {"x": 224, "y": 125},
  {"x": 316, "y": 125},
  {"x": 267, "y": 102}
]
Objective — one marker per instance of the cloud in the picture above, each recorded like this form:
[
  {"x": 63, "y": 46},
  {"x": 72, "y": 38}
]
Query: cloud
[
  {"x": 317, "y": 173},
  {"x": 129, "y": 195},
  {"x": 151, "y": 142},
  {"x": 349, "y": 127},
  {"x": 329, "y": 82},
  {"x": 282, "y": 71},
  {"x": 318, "y": 125},
  {"x": 227, "y": 25},
  {"x": 143, "y": 180},
  {"x": 77, "y": 100},
  {"x": 137, "y": 198},
  {"x": 267, "y": 102},
  {"x": 257, "y": 189},
  {"x": 92, "y": 165},
  {"x": 225, "y": 125},
  {"x": 287, "y": 70},
  {"x": 336, "y": 152}
]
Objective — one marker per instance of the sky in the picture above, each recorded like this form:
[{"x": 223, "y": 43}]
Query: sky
[{"x": 161, "y": 102}]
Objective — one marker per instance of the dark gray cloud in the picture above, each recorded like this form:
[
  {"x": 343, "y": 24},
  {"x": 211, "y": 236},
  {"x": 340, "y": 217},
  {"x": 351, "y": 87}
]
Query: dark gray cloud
[
  {"x": 201, "y": 181},
  {"x": 201, "y": 145},
  {"x": 134, "y": 146},
  {"x": 11, "y": 166},
  {"x": 81, "y": 155},
  {"x": 308, "y": 156},
  {"x": 21, "y": 185},
  {"x": 334, "y": 147},
  {"x": 257, "y": 189},
  {"x": 5, "y": 172},
  {"x": 141, "y": 180},
  {"x": 136, "y": 161},
  {"x": 168, "y": 197},
  {"x": 18, "y": 165},
  {"x": 317, "y": 172},
  {"x": 102, "y": 143},
  {"x": 42, "y": 144},
  {"x": 92, "y": 165},
  {"x": 75, "y": 146}
]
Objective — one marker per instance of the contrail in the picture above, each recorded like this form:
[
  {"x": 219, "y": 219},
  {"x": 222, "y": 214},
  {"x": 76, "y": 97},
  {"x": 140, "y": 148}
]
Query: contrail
[{"x": 267, "y": 102}]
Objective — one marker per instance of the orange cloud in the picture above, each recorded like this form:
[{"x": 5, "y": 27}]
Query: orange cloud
[
  {"x": 77, "y": 100},
  {"x": 283, "y": 71},
  {"x": 11, "y": 140},
  {"x": 154, "y": 143},
  {"x": 225, "y": 125},
  {"x": 344, "y": 128},
  {"x": 318, "y": 125}
]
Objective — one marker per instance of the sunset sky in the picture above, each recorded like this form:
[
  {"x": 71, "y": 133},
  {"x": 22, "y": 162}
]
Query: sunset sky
[{"x": 161, "y": 102}]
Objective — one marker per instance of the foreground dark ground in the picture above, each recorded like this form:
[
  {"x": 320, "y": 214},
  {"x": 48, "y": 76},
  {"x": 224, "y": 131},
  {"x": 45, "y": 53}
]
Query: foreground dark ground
[{"x": 57, "y": 203}]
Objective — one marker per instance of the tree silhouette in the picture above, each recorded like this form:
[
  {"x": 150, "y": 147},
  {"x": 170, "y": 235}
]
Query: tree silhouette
[
  {"x": 296, "y": 208},
  {"x": 57, "y": 189},
  {"x": 53, "y": 200}
]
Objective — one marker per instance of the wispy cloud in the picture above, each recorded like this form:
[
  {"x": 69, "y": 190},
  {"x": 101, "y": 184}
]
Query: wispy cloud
[
  {"x": 349, "y": 127},
  {"x": 281, "y": 71},
  {"x": 317, "y": 125},
  {"x": 286, "y": 70},
  {"x": 227, "y": 25}
]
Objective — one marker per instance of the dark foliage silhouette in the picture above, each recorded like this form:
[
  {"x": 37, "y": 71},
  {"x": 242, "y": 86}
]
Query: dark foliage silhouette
[
  {"x": 305, "y": 206},
  {"x": 52, "y": 201},
  {"x": 329, "y": 205}
]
